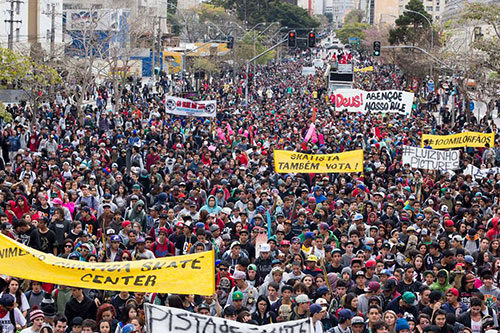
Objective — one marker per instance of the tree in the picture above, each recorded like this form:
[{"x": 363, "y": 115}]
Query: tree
[
  {"x": 25, "y": 73},
  {"x": 245, "y": 49},
  {"x": 289, "y": 15},
  {"x": 487, "y": 44},
  {"x": 483, "y": 65},
  {"x": 257, "y": 11},
  {"x": 329, "y": 17},
  {"x": 354, "y": 16},
  {"x": 354, "y": 30},
  {"x": 412, "y": 28}
]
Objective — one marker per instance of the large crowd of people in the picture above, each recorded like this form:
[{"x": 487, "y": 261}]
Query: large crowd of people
[{"x": 391, "y": 249}]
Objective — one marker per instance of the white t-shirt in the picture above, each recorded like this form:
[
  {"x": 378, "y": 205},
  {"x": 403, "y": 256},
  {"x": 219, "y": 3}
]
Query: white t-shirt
[
  {"x": 476, "y": 326},
  {"x": 7, "y": 326},
  {"x": 29, "y": 330}
]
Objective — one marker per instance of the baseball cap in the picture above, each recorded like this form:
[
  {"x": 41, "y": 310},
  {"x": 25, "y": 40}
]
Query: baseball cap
[
  {"x": 373, "y": 286},
  {"x": 79, "y": 320},
  {"x": 239, "y": 275},
  {"x": 357, "y": 320},
  {"x": 7, "y": 300},
  {"x": 265, "y": 248},
  {"x": 389, "y": 285},
  {"x": 312, "y": 258},
  {"x": 408, "y": 297},
  {"x": 237, "y": 295},
  {"x": 321, "y": 301},
  {"x": 129, "y": 328},
  {"x": 302, "y": 299},
  {"x": 453, "y": 291},
  {"x": 115, "y": 238},
  {"x": 345, "y": 314},
  {"x": 315, "y": 308}
]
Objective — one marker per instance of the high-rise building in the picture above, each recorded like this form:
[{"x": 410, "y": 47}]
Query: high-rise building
[{"x": 339, "y": 10}]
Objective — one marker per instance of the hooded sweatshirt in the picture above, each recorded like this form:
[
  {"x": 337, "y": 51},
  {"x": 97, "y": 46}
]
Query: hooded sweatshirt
[
  {"x": 493, "y": 232},
  {"x": 138, "y": 216},
  {"x": 215, "y": 209},
  {"x": 443, "y": 288}
]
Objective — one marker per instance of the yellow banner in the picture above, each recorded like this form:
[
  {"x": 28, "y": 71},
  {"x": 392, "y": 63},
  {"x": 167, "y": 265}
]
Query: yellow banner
[
  {"x": 293, "y": 162},
  {"x": 189, "y": 274},
  {"x": 466, "y": 139},
  {"x": 364, "y": 69}
]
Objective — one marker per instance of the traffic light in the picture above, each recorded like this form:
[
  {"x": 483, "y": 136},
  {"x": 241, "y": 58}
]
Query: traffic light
[
  {"x": 311, "y": 41},
  {"x": 376, "y": 48},
  {"x": 230, "y": 42},
  {"x": 292, "y": 39}
]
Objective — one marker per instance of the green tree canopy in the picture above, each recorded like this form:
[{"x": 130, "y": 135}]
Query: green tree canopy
[
  {"x": 352, "y": 30},
  {"x": 256, "y": 11},
  {"x": 411, "y": 28},
  {"x": 354, "y": 16}
]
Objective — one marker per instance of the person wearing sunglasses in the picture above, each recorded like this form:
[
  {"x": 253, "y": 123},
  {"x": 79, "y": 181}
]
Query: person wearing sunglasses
[{"x": 67, "y": 247}]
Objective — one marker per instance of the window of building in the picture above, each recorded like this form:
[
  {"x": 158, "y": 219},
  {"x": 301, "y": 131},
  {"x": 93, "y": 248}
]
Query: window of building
[
  {"x": 18, "y": 34},
  {"x": 48, "y": 35},
  {"x": 429, "y": 8}
]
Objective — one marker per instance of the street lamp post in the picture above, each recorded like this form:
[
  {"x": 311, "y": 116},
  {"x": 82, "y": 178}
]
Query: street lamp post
[{"x": 430, "y": 27}]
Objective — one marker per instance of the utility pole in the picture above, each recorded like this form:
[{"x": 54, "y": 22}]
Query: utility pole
[
  {"x": 52, "y": 29},
  {"x": 159, "y": 44},
  {"x": 153, "y": 48},
  {"x": 11, "y": 22}
]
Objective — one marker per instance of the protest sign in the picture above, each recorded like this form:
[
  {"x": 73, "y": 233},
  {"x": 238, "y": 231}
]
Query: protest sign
[
  {"x": 355, "y": 100},
  {"x": 430, "y": 159},
  {"x": 364, "y": 69},
  {"x": 465, "y": 139},
  {"x": 478, "y": 173},
  {"x": 294, "y": 162},
  {"x": 189, "y": 274},
  {"x": 186, "y": 107},
  {"x": 160, "y": 319}
]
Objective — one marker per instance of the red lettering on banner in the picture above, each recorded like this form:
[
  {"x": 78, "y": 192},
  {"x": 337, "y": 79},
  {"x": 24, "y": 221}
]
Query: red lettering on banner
[{"x": 354, "y": 101}]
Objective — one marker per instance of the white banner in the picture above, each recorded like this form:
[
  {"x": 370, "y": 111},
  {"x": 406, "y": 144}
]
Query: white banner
[
  {"x": 431, "y": 159},
  {"x": 478, "y": 173},
  {"x": 161, "y": 319},
  {"x": 186, "y": 107},
  {"x": 356, "y": 100}
]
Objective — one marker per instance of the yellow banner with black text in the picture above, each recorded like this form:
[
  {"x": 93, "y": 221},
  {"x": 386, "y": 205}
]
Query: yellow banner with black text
[
  {"x": 465, "y": 139},
  {"x": 294, "y": 162},
  {"x": 188, "y": 274}
]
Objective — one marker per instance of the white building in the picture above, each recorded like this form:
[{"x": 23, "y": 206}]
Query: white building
[
  {"x": 433, "y": 7},
  {"x": 36, "y": 22}
]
